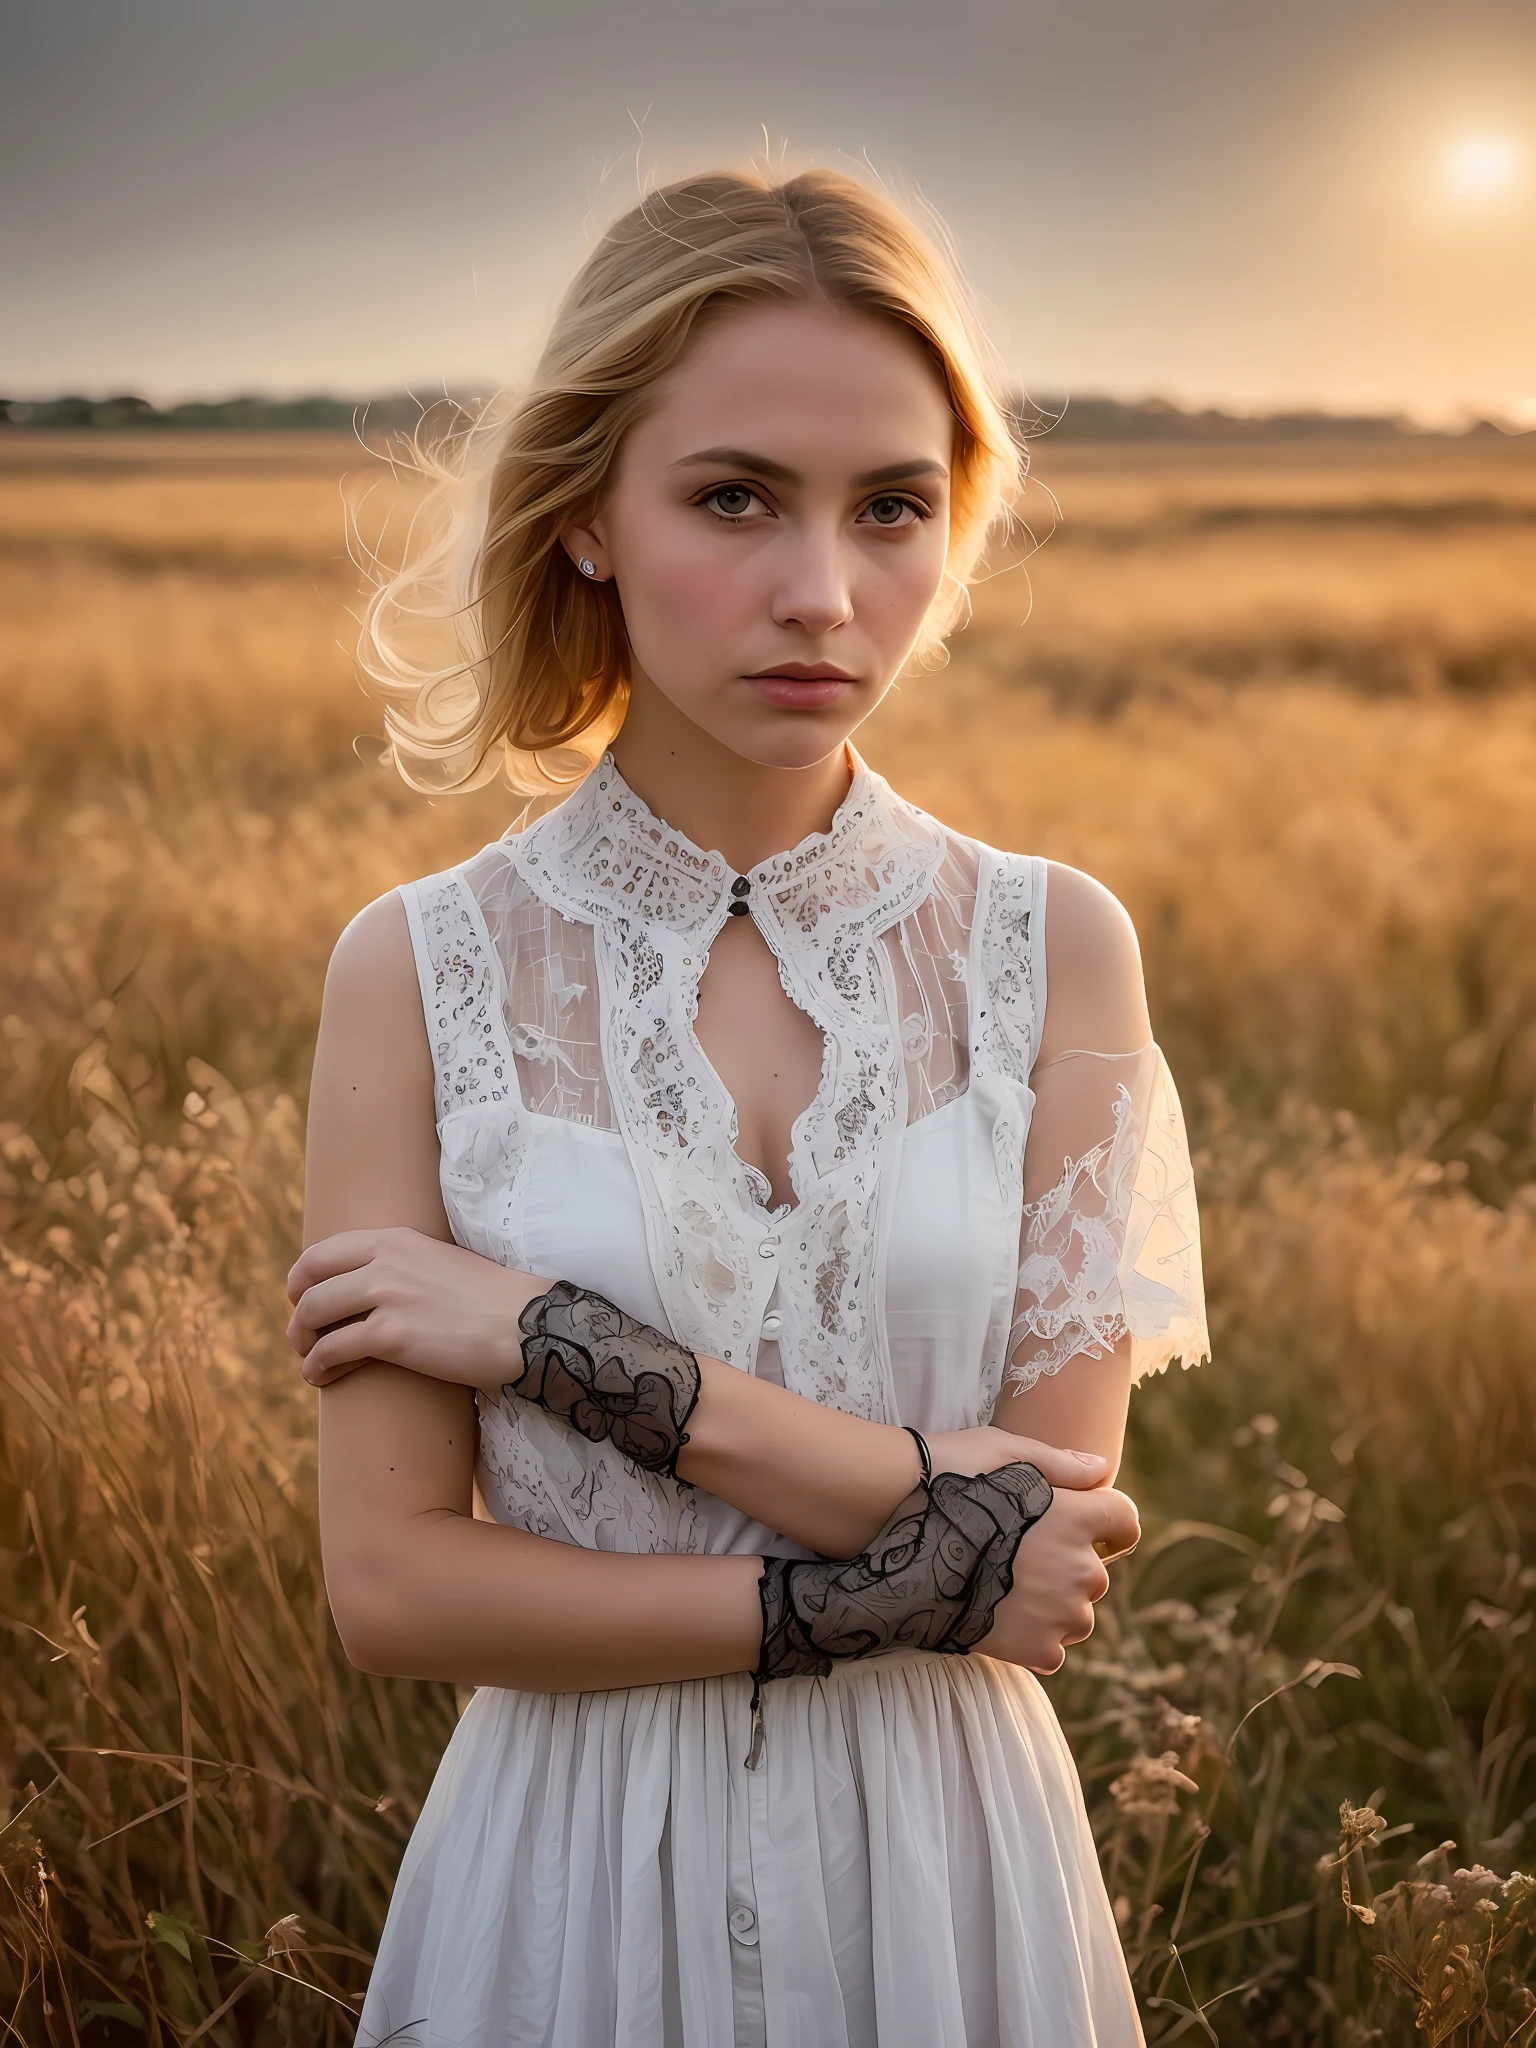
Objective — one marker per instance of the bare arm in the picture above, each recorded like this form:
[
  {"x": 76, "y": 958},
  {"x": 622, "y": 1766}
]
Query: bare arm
[{"x": 421, "y": 1589}]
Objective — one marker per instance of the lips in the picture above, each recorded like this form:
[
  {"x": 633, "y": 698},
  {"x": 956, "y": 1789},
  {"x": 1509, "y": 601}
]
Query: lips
[
  {"x": 801, "y": 685},
  {"x": 802, "y": 672}
]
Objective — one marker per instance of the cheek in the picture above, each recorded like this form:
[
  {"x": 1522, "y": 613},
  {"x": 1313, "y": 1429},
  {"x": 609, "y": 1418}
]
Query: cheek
[
  {"x": 902, "y": 581},
  {"x": 684, "y": 602}
]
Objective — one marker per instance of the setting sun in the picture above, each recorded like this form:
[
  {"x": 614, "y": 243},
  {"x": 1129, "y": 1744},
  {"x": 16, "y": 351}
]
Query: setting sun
[{"x": 1481, "y": 166}]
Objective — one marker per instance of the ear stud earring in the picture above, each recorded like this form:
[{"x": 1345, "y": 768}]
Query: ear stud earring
[{"x": 587, "y": 567}]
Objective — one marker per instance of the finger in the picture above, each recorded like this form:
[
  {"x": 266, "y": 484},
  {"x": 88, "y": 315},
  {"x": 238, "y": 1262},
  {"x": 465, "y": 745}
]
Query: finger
[
  {"x": 339, "y": 1351},
  {"x": 1081, "y": 1626},
  {"x": 304, "y": 1339},
  {"x": 319, "y": 1375},
  {"x": 328, "y": 1256},
  {"x": 1061, "y": 1468},
  {"x": 332, "y": 1301},
  {"x": 1117, "y": 1526}
]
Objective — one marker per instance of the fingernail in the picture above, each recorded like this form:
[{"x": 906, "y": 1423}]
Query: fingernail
[{"x": 1088, "y": 1457}]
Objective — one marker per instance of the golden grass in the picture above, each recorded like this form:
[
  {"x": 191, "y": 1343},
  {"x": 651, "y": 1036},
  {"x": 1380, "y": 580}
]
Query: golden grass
[{"x": 1281, "y": 701}]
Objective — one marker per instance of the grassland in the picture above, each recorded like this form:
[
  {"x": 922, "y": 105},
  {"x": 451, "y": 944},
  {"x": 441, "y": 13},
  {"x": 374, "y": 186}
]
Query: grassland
[{"x": 1283, "y": 701}]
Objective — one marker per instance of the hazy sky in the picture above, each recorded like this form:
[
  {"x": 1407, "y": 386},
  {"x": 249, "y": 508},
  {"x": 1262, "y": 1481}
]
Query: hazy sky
[{"x": 1255, "y": 201}]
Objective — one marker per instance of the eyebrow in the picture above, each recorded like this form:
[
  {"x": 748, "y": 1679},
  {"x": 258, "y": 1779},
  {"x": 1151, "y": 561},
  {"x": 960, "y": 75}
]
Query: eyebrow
[{"x": 762, "y": 465}]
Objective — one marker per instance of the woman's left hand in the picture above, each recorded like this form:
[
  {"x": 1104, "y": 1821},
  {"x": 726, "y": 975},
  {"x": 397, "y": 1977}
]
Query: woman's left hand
[{"x": 396, "y": 1297}]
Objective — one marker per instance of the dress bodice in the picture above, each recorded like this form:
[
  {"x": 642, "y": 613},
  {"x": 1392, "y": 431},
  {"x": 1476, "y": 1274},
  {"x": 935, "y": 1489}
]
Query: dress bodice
[{"x": 586, "y": 1136}]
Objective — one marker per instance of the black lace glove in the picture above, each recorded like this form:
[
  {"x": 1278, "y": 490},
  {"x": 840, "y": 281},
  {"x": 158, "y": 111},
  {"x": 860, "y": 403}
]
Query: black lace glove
[
  {"x": 613, "y": 1380},
  {"x": 931, "y": 1580}
]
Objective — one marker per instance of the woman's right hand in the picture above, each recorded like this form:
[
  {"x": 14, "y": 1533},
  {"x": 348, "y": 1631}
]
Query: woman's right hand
[{"x": 1059, "y": 1575}]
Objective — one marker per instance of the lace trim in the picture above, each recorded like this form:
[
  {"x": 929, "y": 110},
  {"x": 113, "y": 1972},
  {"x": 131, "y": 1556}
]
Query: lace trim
[
  {"x": 1012, "y": 978},
  {"x": 827, "y": 935},
  {"x": 1113, "y": 1249},
  {"x": 931, "y": 1580},
  {"x": 607, "y": 1376},
  {"x": 470, "y": 1061},
  {"x": 1074, "y": 1237}
]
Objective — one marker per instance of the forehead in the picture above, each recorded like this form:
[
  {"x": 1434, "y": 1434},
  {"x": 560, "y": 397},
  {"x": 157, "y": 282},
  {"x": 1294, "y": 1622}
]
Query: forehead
[{"x": 817, "y": 387}]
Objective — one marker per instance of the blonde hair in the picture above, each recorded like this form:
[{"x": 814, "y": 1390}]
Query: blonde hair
[{"x": 491, "y": 653}]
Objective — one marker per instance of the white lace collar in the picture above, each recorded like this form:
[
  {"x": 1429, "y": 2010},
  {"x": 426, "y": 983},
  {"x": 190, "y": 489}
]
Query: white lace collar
[
  {"x": 656, "y": 902},
  {"x": 604, "y": 853}
]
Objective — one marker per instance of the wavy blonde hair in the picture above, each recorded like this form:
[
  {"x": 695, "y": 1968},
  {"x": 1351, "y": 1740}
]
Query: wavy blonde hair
[{"x": 491, "y": 653}]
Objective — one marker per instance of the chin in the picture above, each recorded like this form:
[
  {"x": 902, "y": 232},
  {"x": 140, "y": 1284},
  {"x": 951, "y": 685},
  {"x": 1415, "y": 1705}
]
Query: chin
[
  {"x": 774, "y": 737},
  {"x": 794, "y": 739}
]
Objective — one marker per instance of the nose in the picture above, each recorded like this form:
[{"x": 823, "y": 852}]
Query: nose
[{"x": 814, "y": 591}]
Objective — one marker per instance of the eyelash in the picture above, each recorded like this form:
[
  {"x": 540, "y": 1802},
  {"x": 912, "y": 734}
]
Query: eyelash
[{"x": 915, "y": 505}]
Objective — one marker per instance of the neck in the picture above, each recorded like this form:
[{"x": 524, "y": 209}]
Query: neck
[{"x": 722, "y": 802}]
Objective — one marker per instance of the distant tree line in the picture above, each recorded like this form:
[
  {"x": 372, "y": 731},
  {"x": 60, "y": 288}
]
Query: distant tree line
[
  {"x": 316, "y": 414},
  {"x": 1077, "y": 419},
  {"x": 1158, "y": 419}
]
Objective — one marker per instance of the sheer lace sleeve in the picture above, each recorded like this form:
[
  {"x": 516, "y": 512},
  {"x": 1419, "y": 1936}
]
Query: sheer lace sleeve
[{"x": 1111, "y": 1234}]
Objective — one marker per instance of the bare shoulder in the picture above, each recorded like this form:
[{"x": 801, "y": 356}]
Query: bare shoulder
[
  {"x": 373, "y": 958},
  {"x": 371, "y": 1016},
  {"x": 1095, "y": 992},
  {"x": 1086, "y": 924},
  {"x": 373, "y": 1154}
]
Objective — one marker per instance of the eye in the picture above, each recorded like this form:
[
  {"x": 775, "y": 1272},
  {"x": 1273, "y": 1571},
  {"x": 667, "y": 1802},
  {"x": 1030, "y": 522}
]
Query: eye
[
  {"x": 890, "y": 511},
  {"x": 730, "y": 501}
]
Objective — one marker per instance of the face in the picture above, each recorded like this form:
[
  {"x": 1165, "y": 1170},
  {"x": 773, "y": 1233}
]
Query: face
[{"x": 777, "y": 527}]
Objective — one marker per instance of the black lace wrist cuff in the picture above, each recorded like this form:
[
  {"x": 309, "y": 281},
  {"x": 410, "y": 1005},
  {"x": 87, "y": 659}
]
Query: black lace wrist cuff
[
  {"x": 610, "y": 1378},
  {"x": 931, "y": 1580}
]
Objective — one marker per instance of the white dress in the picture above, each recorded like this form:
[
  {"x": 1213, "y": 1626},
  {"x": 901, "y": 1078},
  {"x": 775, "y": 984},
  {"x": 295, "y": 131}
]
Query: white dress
[{"x": 910, "y": 1865}]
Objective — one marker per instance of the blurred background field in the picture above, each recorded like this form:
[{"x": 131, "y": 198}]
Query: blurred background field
[{"x": 1280, "y": 697}]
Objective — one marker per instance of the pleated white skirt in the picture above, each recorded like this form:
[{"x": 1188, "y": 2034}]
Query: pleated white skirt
[{"x": 910, "y": 1867}]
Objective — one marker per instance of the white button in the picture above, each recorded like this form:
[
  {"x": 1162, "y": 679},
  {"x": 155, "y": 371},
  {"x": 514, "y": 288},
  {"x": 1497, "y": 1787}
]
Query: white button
[
  {"x": 743, "y": 1924},
  {"x": 773, "y": 1322},
  {"x": 768, "y": 1247}
]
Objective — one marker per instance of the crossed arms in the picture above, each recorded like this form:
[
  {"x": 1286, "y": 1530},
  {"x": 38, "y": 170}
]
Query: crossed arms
[{"x": 419, "y": 1587}]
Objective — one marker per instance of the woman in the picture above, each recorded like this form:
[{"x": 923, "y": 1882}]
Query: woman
[{"x": 769, "y": 1194}]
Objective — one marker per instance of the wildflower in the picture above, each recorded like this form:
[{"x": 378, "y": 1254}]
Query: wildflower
[{"x": 1149, "y": 1789}]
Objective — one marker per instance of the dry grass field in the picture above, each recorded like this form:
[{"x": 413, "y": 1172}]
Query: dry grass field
[{"x": 1283, "y": 700}]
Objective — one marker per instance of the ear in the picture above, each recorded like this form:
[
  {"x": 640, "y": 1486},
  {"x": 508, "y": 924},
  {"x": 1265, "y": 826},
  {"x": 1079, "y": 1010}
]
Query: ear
[{"x": 582, "y": 543}]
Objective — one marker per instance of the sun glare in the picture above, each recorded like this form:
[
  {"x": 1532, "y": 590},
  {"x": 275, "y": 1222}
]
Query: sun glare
[{"x": 1481, "y": 166}]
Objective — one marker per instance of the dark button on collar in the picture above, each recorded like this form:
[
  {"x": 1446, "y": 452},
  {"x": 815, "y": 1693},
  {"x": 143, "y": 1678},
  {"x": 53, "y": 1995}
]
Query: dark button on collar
[
  {"x": 741, "y": 886},
  {"x": 737, "y": 909}
]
